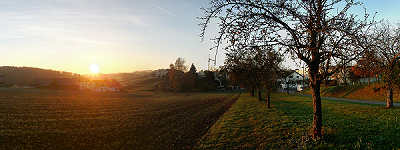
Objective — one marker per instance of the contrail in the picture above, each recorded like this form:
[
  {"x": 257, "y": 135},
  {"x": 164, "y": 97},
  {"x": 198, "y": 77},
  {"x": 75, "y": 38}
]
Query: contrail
[{"x": 165, "y": 10}]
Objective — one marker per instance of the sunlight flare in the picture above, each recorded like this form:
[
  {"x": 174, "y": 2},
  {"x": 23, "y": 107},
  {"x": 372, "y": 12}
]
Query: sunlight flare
[{"x": 94, "y": 68}]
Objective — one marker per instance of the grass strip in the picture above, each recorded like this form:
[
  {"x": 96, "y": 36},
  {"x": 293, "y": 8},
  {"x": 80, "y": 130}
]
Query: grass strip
[
  {"x": 373, "y": 92},
  {"x": 251, "y": 125}
]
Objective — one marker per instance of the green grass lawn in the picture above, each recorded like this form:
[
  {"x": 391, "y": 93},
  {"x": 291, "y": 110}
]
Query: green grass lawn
[{"x": 287, "y": 125}]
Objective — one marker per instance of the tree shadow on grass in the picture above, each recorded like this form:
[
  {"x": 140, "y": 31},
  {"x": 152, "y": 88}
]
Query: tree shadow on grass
[{"x": 345, "y": 125}]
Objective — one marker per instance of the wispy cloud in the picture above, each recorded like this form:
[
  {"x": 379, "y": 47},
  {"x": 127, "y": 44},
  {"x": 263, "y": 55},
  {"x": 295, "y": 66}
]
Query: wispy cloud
[{"x": 165, "y": 11}]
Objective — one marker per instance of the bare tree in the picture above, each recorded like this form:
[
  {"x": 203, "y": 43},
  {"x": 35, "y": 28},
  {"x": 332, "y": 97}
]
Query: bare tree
[
  {"x": 254, "y": 67},
  {"x": 180, "y": 64},
  {"x": 314, "y": 31},
  {"x": 385, "y": 55}
]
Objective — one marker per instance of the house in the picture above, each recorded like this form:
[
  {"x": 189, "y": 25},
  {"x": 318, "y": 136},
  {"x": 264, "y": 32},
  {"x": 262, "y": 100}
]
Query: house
[
  {"x": 98, "y": 86},
  {"x": 303, "y": 72},
  {"x": 113, "y": 85},
  {"x": 55, "y": 83},
  {"x": 161, "y": 72},
  {"x": 120, "y": 79},
  {"x": 2, "y": 81},
  {"x": 343, "y": 77},
  {"x": 83, "y": 83},
  {"x": 293, "y": 80}
]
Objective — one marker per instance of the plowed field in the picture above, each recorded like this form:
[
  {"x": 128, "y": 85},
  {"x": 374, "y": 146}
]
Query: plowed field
[{"x": 53, "y": 119}]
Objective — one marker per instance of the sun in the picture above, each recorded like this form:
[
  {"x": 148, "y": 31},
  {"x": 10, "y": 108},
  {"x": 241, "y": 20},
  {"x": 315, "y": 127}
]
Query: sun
[{"x": 94, "y": 68}]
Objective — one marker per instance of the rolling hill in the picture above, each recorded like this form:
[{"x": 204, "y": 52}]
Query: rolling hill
[
  {"x": 24, "y": 76},
  {"x": 142, "y": 84},
  {"x": 374, "y": 92}
]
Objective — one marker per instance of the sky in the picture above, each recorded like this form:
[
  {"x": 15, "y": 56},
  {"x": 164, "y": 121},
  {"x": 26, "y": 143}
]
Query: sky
[{"x": 117, "y": 35}]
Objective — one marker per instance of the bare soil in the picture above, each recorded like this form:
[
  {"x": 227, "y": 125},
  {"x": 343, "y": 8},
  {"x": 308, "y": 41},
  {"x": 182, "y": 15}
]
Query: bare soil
[{"x": 51, "y": 119}]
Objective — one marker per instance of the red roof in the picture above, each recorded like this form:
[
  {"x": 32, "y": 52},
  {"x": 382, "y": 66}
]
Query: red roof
[
  {"x": 99, "y": 83},
  {"x": 112, "y": 83}
]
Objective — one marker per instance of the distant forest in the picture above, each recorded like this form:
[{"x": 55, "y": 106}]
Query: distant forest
[
  {"x": 128, "y": 76},
  {"x": 24, "y": 76}
]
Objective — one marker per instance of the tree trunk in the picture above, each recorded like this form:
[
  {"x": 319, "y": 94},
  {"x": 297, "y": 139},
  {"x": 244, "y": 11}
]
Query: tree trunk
[
  {"x": 252, "y": 92},
  {"x": 368, "y": 82},
  {"x": 377, "y": 78},
  {"x": 326, "y": 83},
  {"x": 389, "y": 97},
  {"x": 317, "y": 110},
  {"x": 259, "y": 93},
  {"x": 268, "y": 98},
  {"x": 287, "y": 89}
]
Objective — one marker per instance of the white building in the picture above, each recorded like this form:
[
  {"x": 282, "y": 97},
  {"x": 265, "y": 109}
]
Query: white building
[
  {"x": 83, "y": 83},
  {"x": 97, "y": 86},
  {"x": 293, "y": 80},
  {"x": 105, "y": 86},
  {"x": 160, "y": 73}
]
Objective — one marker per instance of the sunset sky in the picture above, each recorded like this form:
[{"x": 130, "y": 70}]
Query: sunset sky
[{"x": 118, "y": 35}]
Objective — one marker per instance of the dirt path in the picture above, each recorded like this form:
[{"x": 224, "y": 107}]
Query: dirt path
[{"x": 342, "y": 99}]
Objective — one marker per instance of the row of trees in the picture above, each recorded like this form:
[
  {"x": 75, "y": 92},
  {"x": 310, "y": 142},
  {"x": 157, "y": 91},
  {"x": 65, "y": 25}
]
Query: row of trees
[
  {"x": 380, "y": 58},
  {"x": 381, "y": 45},
  {"x": 254, "y": 68},
  {"x": 181, "y": 80},
  {"x": 320, "y": 33}
]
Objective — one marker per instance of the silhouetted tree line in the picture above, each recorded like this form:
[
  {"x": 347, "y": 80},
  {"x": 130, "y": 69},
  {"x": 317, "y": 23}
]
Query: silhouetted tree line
[
  {"x": 128, "y": 75},
  {"x": 179, "y": 79},
  {"x": 24, "y": 76}
]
